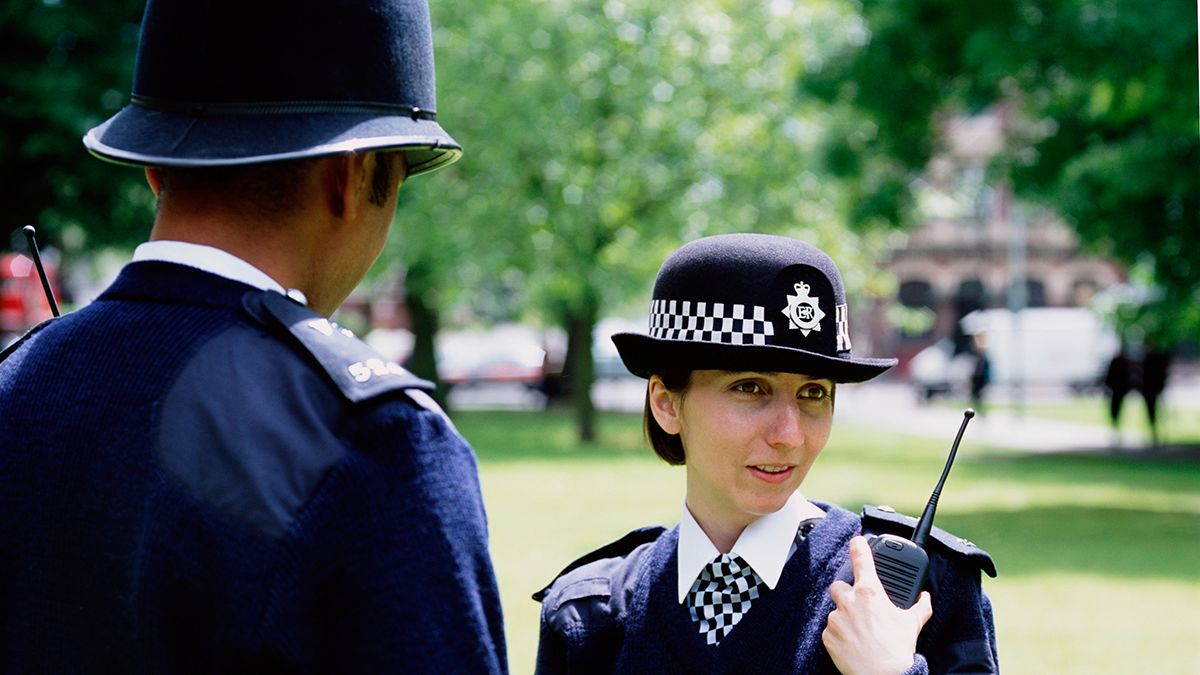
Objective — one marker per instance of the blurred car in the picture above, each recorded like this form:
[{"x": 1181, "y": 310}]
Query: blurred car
[
  {"x": 23, "y": 303},
  {"x": 1066, "y": 347},
  {"x": 506, "y": 353},
  {"x": 937, "y": 370},
  {"x": 604, "y": 352}
]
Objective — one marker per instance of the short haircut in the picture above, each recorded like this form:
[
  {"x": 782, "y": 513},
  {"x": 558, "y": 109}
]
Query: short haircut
[
  {"x": 272, "y": 188},
  {"x": 268, "y": 189},
  {"x": 383, "y": 178}
]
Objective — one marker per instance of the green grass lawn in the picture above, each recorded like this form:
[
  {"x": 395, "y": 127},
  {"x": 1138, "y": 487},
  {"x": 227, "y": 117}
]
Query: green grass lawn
[{"x": 1099, "y": 557}]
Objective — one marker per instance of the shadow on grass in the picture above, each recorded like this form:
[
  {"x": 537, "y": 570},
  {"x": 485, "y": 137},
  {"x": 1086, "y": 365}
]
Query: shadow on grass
[
  {"x": 1174, "y": 470},
  {"x": 1123, "y": 542}
]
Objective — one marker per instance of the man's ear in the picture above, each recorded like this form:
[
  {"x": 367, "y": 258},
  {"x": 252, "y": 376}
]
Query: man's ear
[
  {"x": 345, "y": 183},
  {"x": 154, "y": 179},
  {"x": 664, "y": 405}
]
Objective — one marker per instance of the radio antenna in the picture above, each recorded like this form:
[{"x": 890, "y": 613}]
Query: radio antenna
[
  {"x": 921, "y": 532},
  {"x": 31, "y": 235}
]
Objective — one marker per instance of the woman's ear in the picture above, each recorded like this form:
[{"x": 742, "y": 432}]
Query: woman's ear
[{"x": 664, "y": 405}]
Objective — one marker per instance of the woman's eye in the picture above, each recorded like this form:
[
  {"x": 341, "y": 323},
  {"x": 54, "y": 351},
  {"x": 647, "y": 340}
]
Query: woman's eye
[
  {"x": 747, "y": 387},
  {"x": 814, "y": 392}
]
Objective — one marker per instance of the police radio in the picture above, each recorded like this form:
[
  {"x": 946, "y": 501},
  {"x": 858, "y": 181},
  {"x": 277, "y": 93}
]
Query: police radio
[
  {"x": 902, "y": 564},
  {"x": 31, "y": 237}
]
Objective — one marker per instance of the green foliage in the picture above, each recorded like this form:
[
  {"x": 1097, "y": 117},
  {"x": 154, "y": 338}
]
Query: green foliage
[
  {"x": 67, "y": 67},
  {"x": 601, "y": 135},
  {"x": 1099, "y": 97}
]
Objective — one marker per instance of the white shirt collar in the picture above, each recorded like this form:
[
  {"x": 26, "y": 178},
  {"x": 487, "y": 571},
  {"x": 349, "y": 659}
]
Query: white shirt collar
[
  {"x": 766, "y": 543},
  {"x": 208, "y": 259}
]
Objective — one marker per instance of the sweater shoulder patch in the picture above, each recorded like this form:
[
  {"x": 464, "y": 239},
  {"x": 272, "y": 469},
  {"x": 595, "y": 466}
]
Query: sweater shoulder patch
[
  {"x": 882, "y": 520},
  {"x": 358, "y": 371},
  {"x": 616, "y": 551}
]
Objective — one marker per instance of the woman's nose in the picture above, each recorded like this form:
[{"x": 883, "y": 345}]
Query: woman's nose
[{"x": 787, "y": 424}]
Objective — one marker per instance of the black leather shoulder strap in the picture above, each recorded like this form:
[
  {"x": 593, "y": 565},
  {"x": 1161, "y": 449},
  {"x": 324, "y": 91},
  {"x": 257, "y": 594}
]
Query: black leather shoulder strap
[
  {"x": 357, "y": 370},
  {"x": 882, "y": 520},
  {"x": 617, "y": 549}
]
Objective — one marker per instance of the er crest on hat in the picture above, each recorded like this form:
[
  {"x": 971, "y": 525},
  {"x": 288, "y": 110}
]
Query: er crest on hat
[
  {"x": 803, "y": 312},
  {"x": 748, "y": 302}
]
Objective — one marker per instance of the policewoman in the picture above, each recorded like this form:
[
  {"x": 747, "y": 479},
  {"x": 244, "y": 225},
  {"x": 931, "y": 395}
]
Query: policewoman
[
  {"x": 748, "y": 341},
  {"x": 199, "y": 471}
]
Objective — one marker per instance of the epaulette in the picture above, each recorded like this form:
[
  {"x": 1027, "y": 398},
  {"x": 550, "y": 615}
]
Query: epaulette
[
  {"x": 357, "y": 370},
  {"x": 616, "y": 549},
  {"x": 883, "y": 520},
  {"x": 7, "y": 351}
]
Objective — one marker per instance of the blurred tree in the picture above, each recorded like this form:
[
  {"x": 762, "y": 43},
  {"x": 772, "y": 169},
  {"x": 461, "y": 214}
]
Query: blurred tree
[
  {"x": 600, "y": 135},
  {"x": 1103, "y": 95},
  {"x": 67, "y": 66}
]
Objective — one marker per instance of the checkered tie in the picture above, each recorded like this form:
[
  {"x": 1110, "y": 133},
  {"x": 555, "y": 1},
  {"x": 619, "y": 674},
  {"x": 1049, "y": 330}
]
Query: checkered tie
[{"x": 721, "y": 596}]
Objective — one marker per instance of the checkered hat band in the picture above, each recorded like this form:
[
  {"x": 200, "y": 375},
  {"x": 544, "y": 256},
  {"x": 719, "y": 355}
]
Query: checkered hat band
[
  {"x": 721, "y": 596},
  {"x": 716, "y": 322}
]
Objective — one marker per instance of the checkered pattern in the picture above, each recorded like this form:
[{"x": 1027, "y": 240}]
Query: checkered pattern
[
  {"x": 843, "y": 328},
  {"x": 721, "y": 596},
  {"x": 720, "y": 322}
]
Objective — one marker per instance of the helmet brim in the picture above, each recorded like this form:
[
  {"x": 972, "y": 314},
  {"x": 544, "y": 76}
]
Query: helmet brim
[
  {"x": 144, "y": 137},
  {"x": 644, "y": 355}
]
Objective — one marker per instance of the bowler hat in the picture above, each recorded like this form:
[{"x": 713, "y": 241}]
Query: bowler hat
[
  {"x": 223, "y": 82},
  {"x": 748, "y": 302}
]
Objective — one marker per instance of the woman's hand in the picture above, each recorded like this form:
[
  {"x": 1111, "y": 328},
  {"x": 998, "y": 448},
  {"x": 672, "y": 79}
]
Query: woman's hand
[{"x": 867, "y": 634}]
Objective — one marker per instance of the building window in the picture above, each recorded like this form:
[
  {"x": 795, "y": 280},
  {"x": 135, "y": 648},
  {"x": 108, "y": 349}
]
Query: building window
[
  {"x": 1035, "y": 294},
  {"x": 916, "y": 314}
]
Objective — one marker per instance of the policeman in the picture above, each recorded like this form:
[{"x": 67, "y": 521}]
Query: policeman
[
  {"x": 199, "y": 471},
  {"x": 748, "y": 340}
]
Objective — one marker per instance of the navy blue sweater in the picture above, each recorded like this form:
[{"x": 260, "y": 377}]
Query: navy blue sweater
[
  {"x": 198, "y": 476},
  {"x": 620, "y": 613}
]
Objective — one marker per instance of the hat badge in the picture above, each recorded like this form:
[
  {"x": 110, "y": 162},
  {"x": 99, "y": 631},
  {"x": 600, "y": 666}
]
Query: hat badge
[{"x": 803, "y": 311}]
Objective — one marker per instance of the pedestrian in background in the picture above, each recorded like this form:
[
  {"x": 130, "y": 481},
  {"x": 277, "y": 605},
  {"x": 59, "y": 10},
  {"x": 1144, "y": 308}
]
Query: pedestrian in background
[
  {"x": 1120, "y": 378},
  {"x": 199, "y": 471},
  {"x": 1156, "y": 365},
  {"x": 981, "y": 373}
]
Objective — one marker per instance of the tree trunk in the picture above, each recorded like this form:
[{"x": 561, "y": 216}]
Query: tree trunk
[
  {"x": 425, "y": 324},
  {"x": 581, "y": 323}
]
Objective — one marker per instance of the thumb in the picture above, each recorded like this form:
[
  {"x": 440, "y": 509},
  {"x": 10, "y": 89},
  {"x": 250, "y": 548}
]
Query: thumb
[
  {"x": 863, "y": 563},
  {"x": 922, "y": 609}
]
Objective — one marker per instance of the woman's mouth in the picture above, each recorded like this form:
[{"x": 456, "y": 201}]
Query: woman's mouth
[{"x": 772, "y": 473}]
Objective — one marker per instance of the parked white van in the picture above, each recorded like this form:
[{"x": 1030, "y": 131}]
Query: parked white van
[{"x": 1059, "y": 346}]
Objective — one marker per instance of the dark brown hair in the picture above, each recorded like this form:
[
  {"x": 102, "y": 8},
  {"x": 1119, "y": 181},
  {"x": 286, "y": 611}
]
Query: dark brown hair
[
  {"x": 667, "y": 446},
  {"x": 272, "y": 189},
  {"x": 384, "y": 178}
]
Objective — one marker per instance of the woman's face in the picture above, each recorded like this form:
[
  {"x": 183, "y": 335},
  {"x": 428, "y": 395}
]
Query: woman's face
[{"x": 749, "y": 438}]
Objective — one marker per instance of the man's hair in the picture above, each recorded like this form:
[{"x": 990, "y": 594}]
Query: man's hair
[
  {"x": 667, "y": 446},
  {"x": 383, "y": 178},
  {"x": 263, "y": 190},
  {"x": 274, "y": 188}
]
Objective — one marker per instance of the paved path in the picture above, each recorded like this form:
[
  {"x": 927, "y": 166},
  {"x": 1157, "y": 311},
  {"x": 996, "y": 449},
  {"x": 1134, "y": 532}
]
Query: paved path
[{"x": 895, "y": 407}]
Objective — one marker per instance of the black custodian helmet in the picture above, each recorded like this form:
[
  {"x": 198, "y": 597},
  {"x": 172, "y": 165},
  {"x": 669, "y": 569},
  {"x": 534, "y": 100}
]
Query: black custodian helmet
[{"x": 224, "y": 82}]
